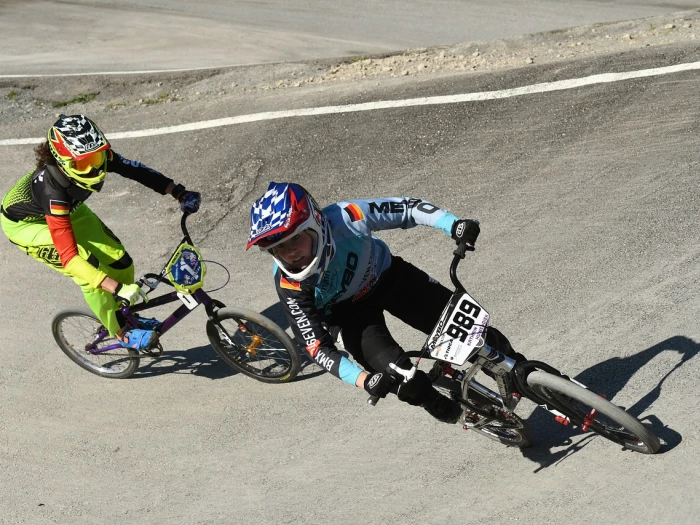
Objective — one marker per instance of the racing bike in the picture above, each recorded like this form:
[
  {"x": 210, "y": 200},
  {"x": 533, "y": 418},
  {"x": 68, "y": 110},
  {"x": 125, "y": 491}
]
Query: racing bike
[
  {"x": 458, "y": 346},
  {"x": 244, "y": 339}
]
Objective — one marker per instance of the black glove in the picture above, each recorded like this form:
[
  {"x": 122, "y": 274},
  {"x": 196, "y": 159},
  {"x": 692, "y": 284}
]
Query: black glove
[
  {"x": 189, "y": 200},
  {"x": 379, "y": 384},
  {"x": 417, "y": 391},
  {"x": 466, "y": 231}
]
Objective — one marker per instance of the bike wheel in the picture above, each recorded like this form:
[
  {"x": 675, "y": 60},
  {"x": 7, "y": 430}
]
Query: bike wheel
[
  {"x": 577, "y": 402},
  {"x": 75, "y": 330},
  {"x": 254, "y": 345},
  {"x": 502, "y": 426}
]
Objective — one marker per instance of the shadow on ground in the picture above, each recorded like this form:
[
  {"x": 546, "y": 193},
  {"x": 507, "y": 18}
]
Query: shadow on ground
[
  {"x": 609, "y": 377},
  {"x": 203, "y": 361}
]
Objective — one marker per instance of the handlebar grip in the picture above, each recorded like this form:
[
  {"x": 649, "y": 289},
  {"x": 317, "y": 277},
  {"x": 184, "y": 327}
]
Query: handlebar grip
[
  {"x": 372, "y": 400},
  {"x": 462, "y": 250},
  {"x": 123, "y": 303}
]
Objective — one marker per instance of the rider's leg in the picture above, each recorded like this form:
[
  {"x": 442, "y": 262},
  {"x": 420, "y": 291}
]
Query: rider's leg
[
  {"x": 98, "y": 245},
  {"x": 367, "y": 338},
  {"x": 35, "y": 239},
  {"x": 413, "y": 296},
  {"x": 421, "y": 304},
  {"x": 495, "y": 339}
]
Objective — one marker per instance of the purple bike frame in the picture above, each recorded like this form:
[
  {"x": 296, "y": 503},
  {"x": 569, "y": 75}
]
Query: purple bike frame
[{"x": 200, "y": 297}]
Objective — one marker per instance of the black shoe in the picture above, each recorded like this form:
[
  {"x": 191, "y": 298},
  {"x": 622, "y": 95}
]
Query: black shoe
[{"x": 443, "y": 408}]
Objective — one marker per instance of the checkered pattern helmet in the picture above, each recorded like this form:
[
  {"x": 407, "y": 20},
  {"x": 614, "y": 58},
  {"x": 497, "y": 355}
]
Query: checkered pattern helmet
[
  {"x": 76, "y": 142},
  {"x": 285, "y": 210}
]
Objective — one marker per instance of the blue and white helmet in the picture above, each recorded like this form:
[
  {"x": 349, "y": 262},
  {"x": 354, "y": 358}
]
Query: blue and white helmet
[{"x": 285, "y": 210}]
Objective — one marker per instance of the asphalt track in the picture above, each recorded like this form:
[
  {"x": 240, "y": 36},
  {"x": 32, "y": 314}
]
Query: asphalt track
[
  {"x": 588, "y": 259},
  {"x": 85, "y": 36}
]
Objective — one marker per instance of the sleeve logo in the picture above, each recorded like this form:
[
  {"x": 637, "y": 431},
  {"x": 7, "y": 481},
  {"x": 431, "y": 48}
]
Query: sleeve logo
[
  {"x": 289, "y": 285},
  {"x": 59, "y": 207},
  {"x": 354, "y": 212}
]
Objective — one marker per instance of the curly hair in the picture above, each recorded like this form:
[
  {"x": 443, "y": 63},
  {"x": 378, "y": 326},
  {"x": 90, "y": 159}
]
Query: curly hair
[{"x": 43, "y": 155}]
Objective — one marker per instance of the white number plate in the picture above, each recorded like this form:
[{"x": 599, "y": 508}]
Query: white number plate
[{"x": 458, "y": 334}]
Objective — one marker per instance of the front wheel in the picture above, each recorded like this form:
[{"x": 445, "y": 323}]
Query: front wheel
[
  {"x": 494, "y": 422},
  {"x": 81, "y": 336},
  {"x": 254, "y": 345},
  {"x": 587, "y": 409}
]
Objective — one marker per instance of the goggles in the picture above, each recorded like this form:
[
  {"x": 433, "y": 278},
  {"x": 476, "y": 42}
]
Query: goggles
[{"x": 90, "y": 165}]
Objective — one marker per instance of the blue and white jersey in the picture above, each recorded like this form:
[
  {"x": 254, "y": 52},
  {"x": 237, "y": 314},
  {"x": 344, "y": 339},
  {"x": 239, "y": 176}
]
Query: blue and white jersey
[{"x": 355, "y": 267}]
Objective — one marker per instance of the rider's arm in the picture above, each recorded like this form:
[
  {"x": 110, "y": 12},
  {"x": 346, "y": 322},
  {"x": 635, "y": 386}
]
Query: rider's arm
[
  {"x": 298, "y": 302},
  {"x": 396, "y": 212},
  {"x": 56, "y": 204},
  {"x": 61, "y": 231},
  {"x": 134, "y": 170}
]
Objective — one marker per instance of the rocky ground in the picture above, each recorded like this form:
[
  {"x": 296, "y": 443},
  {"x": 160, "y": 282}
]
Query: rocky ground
[{"x": 28, "y": 98}]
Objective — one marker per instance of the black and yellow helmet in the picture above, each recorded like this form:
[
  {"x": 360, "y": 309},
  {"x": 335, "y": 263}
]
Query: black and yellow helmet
[{"x": 80, "y": 150}]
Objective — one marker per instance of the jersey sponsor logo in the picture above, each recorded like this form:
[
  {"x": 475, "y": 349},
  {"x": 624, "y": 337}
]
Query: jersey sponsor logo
[
  {"x": 290, "y": 285},
  {"x": 349, "y": 273},
  {"x": 402, "y": 206},
  {"x": 354, "y": 212},
  {"x": 365, "y": 290},
  {"x": 312, "y": 349},
  {"x": 303, "y": 323},
  {"x": 325, "y": 361},
  {"x": 59, "y": 207},
  {"x": 375, "y": 380},
  {"x": 49, "y": 255}
]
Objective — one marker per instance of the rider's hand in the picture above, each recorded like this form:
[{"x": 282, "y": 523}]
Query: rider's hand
[
  {"x": 466, "y": 231},
  {"x": 130, "y": 293},
  {"x": 416, "y": 391},
  {"x": 189, "y": 200},
  {"x": 379, "y": 384}
]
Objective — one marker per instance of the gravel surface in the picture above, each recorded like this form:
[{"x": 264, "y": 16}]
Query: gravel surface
[{"x": 29, "y": 98}]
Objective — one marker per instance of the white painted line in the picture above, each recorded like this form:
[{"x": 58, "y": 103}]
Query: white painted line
[{"x": 388, "y": 104}]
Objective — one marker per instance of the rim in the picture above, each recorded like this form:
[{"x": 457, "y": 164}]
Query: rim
[
  {"x": 256, "y": 349},
  {"x": 603, "y": 424},
  {"x": 76, "y": 331}
]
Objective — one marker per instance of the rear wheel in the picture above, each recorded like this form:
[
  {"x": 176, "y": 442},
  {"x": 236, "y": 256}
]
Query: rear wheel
[
  {"x": 587, "y": 409},
  {"x": 76, "y": 331},
  {"x": 254, "y": 345}
]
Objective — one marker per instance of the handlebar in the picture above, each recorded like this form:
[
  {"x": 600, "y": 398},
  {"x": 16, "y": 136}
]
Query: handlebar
[
  {"x": 183, "y": 226},
  {"x": 123, "y": 303}
]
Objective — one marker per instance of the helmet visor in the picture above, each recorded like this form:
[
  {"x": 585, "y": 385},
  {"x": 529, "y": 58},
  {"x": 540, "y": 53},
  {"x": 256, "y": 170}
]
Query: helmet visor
[{"x": 90, "y": 165}]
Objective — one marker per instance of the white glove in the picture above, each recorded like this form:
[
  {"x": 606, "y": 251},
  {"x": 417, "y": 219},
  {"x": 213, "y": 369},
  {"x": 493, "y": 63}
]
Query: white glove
[{"x": 130, "y": 293}]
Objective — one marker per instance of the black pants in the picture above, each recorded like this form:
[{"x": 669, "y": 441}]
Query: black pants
[{"x": 404, "y": 291}]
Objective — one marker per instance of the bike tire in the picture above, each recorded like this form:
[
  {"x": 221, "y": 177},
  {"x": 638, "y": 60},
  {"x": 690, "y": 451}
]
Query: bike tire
[
  {"x": 506, "y": 428},
  {"x": 576, "y": 402},
  {"x": 277, "y": 364},
  {"x": 75, "y": 329}
]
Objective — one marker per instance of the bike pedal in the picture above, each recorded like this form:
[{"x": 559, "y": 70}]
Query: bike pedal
[{"x": 154, "y": 351}]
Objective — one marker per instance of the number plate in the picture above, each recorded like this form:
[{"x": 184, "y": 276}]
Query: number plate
[
  {"x": 458, "y": 334},
  {"x": 186, "y": 269}
]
